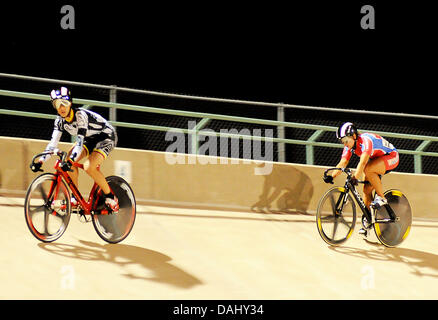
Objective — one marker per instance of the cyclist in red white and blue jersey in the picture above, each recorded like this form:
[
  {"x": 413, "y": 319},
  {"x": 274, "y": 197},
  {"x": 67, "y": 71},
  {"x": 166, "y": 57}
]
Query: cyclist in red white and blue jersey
[
  {"x": 375, "y": 146},
  {"x": 377, "y": 157}
]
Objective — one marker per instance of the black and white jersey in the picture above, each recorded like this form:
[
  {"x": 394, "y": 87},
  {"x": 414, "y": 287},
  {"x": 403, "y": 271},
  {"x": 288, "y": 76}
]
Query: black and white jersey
[{"x": 86, "y": 125}]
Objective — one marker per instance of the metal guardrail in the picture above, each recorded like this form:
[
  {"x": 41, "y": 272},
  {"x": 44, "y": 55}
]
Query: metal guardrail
[
  {"x": 281, "y": 107},
  {"x": 206, "y": 117},
  {"x": 196, "y": 131},
  {"x": 113, "y": 89}
]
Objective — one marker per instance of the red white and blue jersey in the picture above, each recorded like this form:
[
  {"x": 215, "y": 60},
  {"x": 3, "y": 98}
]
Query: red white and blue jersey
[{"x": 371, "y": 144}]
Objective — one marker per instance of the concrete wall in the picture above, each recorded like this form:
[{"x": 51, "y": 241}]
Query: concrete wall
[{"x": 211, "y": 182}]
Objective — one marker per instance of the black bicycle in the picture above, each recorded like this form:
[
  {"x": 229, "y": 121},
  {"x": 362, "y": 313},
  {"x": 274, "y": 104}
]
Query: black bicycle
[{"x": 336, "y": 214}]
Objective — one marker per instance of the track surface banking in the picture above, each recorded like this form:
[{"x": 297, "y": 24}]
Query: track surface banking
[{"x": 199, "y": 254}]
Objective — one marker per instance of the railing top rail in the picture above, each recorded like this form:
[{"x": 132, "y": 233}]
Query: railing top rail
[
  {"x": 218, "y": 134},
  {"x": 202, "y": 98},
  {"x": 169, "y": 111},
  {"x": 210, "y": 115}
]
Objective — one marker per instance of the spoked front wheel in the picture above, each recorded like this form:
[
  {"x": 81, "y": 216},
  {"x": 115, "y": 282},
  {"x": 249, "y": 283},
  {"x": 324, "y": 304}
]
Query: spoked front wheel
[
  {"x": 115, "y": 227},
  {"x": 392, "y": 233},
  {"x": 336, "y": 216},
  {"x": 47, "y": 207}
]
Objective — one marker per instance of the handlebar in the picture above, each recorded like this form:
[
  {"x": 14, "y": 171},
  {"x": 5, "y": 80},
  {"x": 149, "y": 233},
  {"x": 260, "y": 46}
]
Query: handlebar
[
  {"x": 61, "y": 154},
  {"x": 347, "y": 171}
]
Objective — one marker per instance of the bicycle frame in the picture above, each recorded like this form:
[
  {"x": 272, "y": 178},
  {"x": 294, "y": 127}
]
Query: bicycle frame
[
  {"x": 87, "y": 206},
  {"x": 349, "y": 187}
]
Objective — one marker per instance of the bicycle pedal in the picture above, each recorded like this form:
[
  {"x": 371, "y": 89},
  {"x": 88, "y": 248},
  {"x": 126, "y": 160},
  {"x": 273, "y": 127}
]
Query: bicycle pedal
[
  {"x": 365, "y": 224},
  {"x": 363, "y": 232}
]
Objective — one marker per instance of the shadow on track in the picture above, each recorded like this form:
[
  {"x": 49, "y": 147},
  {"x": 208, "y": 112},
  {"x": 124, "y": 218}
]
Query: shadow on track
[
  {"x": 121, "y": 254},
  {"x": 286, "y": 188},
  {"x": 420, "y": 262}
]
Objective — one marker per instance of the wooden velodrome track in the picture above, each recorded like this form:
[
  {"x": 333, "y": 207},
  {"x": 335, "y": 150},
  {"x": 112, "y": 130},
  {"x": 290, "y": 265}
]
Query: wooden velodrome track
[{"x": 199, "y": 254}]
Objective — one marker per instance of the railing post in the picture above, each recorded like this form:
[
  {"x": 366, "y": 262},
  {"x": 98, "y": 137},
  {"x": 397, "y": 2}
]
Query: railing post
[
  {"x": 194, "y": 137},
  {"x": 309, "y": 147},
  {"x": 281, "y": 147},
  {"x": 418, "y": 165},
  {"x": 113, "y": 99}
]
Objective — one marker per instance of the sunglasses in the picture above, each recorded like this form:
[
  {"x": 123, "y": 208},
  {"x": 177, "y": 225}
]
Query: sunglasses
[{"x": 61, "y": 102}]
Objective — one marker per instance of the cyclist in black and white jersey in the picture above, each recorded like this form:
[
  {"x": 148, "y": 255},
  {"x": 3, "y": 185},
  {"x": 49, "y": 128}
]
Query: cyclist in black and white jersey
[{"x": 95, "y": 138}]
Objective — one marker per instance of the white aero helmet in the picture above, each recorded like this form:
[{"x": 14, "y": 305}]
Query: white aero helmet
[
  {"x": 347, "y": 129},
  {"x": 62, "y": 93}
]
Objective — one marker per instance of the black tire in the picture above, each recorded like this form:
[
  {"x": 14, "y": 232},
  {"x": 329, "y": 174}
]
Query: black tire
[
  {"x": 46, "y": 217},
  {"x": 335, "y": 228},
  {"x": 394, "y": 233},
  {"x": 115, "y": 227}
]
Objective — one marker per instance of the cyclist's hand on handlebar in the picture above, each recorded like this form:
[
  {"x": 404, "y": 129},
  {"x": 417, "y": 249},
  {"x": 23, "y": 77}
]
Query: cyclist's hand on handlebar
[
  {"x": 66, "y": 166},
  {"x": 36, "y": 166},
  {"x": 44, "y": 158},
  {"x": 328, "y": 179},
  {"x": 354, "y": 181}
]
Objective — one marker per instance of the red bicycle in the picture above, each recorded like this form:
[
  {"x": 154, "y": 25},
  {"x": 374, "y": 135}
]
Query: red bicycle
[{"x": 47, "y": 206}]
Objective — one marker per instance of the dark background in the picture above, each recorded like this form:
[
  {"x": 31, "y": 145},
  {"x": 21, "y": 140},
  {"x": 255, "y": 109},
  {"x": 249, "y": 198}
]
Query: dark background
[
  {"x": 309, "y": 53},
  {"x": 312, "y": 53}
]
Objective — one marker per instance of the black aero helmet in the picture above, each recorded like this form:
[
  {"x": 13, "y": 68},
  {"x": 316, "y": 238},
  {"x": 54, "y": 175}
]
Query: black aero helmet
[
  {"x": 61, "y": 93},
  {"x": 347, "y": 129}
]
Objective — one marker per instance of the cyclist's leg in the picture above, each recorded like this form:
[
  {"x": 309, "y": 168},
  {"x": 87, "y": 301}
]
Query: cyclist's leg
[
  {"x": 373, "y": 169},
  {"x": 367, "y": 193},
  {"x": 95, "y": 159}
]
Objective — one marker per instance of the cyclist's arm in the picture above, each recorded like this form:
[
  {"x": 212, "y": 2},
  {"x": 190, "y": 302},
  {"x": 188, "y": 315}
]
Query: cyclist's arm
[
  {"x": 345, "y": 159},
  {"x": 342, "y": 164},
  {"x": 361, "y": 166},
  {"x": 82, "y": 121},
  {"x": 77, "y": 150},
  {"x": 56, "y": 137}
]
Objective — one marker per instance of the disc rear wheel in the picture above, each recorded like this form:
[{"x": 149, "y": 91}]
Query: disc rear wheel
[
  {"x": 393, "y": 233},
  {"x": 116, "y": 226}
]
